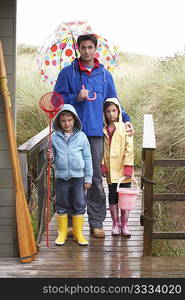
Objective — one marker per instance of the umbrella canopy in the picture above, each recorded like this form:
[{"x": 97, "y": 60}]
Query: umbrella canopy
[{"x": 60, "y": 49}]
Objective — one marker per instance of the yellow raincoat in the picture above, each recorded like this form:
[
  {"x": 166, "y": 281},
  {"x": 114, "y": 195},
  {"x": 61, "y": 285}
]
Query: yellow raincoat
[{"x": 120, "y": 151}]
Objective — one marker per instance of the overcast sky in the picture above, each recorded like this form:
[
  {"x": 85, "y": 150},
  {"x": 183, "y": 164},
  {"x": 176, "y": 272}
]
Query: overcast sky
[{"x": 150, "y": 27}]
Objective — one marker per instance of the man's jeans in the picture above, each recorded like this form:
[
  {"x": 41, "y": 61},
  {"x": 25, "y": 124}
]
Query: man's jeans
[{"x": 96, "y": 198}]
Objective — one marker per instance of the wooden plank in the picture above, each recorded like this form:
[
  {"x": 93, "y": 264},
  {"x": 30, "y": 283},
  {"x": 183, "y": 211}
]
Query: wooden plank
[
  {"x": 169, "y": 197},
  {"x": 4, "y": 145},
  {"x": 8, "y": 3},
  {"x": 6, "y": 198},
  {"x": 6, "y": 221},
  {"x": 6, "y": 212},
  {"x": 34, "y": 141},
  {"x": 8, "y": 45},
  {"x": 6, "y": 236},
  {"x": 7, "y": 12},
  {"x": 6, "y": 26},
  {"x": 169, "y": 162},
  {"x": 148, "y": 133},
  {"x": 148, "y": 202},
  {"x": 6, "y": 249},
  {"x": 103, "y": 258},
  {"x": 5, "y": 161},
  {"x": 168, "y": 235},
  {"x": 41, "y": 184},
  {"x": 9, "y": 59},
  {"x": 6, "y": 178},
  {"x": 2, "y": 120}
]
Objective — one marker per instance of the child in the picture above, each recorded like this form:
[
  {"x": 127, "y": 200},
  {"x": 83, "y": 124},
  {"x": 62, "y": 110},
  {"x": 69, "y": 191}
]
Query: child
[
  {"x": 117, "y": 161},
  {"x": 72, "y": 161}
]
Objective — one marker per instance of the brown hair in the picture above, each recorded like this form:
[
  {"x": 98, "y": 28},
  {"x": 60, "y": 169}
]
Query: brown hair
[
  {"x": 87, "y": 37},
  {"x": 63, "y": 113}
]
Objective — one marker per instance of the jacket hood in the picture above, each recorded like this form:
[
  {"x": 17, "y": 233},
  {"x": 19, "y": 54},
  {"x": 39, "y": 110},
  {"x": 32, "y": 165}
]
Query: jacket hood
[
  {"x": 71, "y": 109},
  {"x": 115, "y": 101}
]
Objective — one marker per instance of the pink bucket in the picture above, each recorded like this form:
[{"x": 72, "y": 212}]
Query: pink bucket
[{"x": 127, "y": 196}]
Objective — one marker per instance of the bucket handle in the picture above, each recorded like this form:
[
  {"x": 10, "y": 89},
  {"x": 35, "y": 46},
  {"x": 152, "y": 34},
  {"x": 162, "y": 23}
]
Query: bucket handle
[{"x": 133, "y": 179}]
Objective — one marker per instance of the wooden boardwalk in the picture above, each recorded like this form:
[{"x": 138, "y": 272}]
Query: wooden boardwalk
[{"x": 112, "y": 257}]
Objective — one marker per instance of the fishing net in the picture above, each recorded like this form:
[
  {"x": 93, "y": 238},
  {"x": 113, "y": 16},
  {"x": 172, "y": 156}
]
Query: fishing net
[{"x": 51, "y": 103}]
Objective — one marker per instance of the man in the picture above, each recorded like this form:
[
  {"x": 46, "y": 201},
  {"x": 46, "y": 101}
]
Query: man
[{"x": 79, "y": 83}]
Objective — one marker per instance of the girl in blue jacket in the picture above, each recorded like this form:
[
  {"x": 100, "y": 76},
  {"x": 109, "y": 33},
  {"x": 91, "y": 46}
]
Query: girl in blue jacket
[{"x": 71, "y": 157}]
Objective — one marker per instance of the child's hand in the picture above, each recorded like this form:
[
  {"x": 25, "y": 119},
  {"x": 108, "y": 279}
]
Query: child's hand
[
  {"x": 87, "y": 185},
  {"x": 104, "y": 171},
  {"x": 49, "y": 154}
]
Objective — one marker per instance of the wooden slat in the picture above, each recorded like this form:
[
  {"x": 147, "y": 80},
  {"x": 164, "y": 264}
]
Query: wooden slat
[
  {"x": 6, "y": 178},
  {"x": 4, "y": 145},
  {"x": 6, "y": 198},
  {"x": 5, "y": 162},
  {"x": 169, "y": 197},
  {"x": 148, "y": 202},
  {"x": 6, "y": 31},
  {"x": 168, "y": 235},
  {"x": 169, "y": 162},
  {"x": 6, "y": 12}
]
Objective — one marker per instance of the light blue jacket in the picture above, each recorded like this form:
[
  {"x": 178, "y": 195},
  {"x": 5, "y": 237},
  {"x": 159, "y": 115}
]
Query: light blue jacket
[{"x": 72, "y": 159}]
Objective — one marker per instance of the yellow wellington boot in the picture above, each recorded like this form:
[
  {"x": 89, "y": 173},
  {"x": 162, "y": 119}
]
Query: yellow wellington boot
[
  {"x": 62, "y": 221},
  {"x": 77, "y": 230}
]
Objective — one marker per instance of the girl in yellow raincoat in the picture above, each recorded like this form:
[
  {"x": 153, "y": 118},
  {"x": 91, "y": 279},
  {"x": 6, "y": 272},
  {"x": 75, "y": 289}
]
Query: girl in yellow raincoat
[{"x": 117, "y": 162}]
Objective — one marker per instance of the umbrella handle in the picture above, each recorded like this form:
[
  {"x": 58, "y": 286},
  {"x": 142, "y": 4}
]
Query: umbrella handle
[{"x": 89, "y": 99}]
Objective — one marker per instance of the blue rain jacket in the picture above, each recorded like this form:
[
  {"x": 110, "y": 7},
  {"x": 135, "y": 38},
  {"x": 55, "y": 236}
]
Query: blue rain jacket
[
  {"x": 69, "y": 83},
  {"x": 72, "y": 159}
]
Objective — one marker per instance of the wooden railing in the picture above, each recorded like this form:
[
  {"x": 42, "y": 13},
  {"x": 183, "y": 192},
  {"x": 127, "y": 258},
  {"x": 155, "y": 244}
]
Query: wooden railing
[
  {"x": 149, "y": 162},
  {"x": 34, "y": 171}
]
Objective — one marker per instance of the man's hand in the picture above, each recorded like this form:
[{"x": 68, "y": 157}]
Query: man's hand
[
  {"x": 83, "y": 95},
  {"x": 87, "y": 185},
  {"x": 129, "y": 128}
]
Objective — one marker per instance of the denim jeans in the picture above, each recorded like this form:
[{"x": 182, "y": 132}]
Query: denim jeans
[
  {"x": 96, "y": 198},
  {"x": 70, "y": 196}
]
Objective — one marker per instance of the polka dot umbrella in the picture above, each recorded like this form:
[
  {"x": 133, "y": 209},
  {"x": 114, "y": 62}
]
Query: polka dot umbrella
[{"x": 60, "y": 49}]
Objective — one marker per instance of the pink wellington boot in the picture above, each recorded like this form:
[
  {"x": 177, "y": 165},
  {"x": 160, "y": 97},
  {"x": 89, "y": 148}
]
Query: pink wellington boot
[
  {"x": 124, "y": 223},
  {"x": 115, "y": 219}
]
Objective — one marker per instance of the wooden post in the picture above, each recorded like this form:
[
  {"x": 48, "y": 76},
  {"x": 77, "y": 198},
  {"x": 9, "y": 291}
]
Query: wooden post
[
  {"x": 148, "y": 202},
  {"x": 149, "y": 145},
  {"x": 41, "y": 187}
]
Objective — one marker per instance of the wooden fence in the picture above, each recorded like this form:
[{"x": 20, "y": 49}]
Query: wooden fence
[{"x": 149, "y": 162}]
